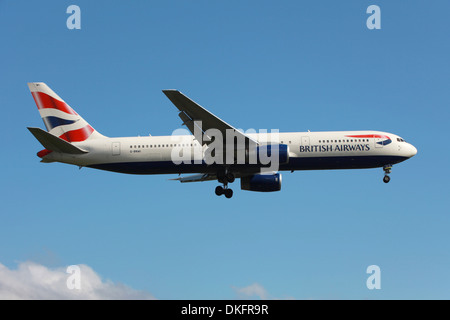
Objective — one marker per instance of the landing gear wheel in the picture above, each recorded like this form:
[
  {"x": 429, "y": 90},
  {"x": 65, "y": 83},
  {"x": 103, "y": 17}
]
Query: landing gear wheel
[
  {"x": 387, "y": 169},
  {"x": 219, "y": 190},
  {"x": 229, "y": 177},
  {"x": 228, "y": 193},
  {"x": 221, "y": 179}
]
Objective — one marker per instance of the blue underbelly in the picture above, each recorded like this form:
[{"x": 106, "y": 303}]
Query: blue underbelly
[{"x": 305, "y": 163}]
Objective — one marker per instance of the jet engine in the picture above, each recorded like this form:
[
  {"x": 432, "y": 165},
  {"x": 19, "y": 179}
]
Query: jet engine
[{"x": 262, "y": 182}]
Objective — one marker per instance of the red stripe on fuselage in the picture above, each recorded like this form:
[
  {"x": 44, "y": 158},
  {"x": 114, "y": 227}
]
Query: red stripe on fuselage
[
  {"x": 368, "y": 136},
  {"x": 44, "y": 101},
  {"x": 78, "y": 135}
]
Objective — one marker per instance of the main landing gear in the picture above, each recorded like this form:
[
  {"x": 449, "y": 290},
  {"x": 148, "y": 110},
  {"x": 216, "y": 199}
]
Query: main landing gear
[
  {"x": 387, "y": 170},
  {"x": 224, "y": 190},
  {"x": 225, "y": 178}
]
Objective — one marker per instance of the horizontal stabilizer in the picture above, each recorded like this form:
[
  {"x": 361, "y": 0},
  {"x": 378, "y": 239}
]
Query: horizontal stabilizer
[{"x": 53, "y": 143}]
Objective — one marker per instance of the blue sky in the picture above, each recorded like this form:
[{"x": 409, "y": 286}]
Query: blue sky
[{"x": 288, "y": 65}]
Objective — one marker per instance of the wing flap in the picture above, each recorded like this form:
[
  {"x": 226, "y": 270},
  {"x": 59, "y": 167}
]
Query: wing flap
[{"x": 196, "y": 178}]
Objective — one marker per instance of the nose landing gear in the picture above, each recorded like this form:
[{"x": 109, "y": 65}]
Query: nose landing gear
[{"x": 387, "y": 170}]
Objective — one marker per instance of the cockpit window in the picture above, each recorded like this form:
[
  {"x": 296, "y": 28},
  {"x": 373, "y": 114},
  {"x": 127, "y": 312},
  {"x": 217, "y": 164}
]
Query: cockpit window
[{"x": 400, "y": 140}]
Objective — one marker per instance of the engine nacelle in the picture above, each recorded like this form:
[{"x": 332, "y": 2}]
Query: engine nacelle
[{"x": 262, "y": 182}]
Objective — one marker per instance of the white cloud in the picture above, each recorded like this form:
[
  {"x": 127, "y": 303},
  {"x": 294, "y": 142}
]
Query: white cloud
[
  {"x": 34, "y": 281},
  {"x": 255, "y": 291},
  {"x": 251, "y": 291}
]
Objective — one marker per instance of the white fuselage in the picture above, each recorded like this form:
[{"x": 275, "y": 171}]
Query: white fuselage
[{"x": 307, "y": 151}]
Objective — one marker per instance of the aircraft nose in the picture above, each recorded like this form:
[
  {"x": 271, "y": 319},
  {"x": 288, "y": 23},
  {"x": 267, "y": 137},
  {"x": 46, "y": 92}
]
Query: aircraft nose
[{"x": 412, "y": 151}]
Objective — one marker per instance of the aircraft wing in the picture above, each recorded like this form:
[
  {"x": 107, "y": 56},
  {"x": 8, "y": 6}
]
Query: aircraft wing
[{"x": 191, "y": 113}]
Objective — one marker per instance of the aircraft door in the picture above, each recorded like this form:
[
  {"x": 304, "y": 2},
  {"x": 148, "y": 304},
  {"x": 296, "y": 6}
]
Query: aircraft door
[{"x": 115, "y": 148}]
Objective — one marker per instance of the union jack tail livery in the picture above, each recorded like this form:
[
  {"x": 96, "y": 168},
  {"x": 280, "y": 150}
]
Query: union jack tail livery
[{"x": 59, "y": 118}]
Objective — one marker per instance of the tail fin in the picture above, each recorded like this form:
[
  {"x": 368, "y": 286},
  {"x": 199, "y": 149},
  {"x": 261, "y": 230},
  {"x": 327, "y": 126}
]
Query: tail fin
[{"x": 59, "y": 118}]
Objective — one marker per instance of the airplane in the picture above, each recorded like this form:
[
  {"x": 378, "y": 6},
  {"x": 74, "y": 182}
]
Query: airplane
[{"x": 206, "y": 154}]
